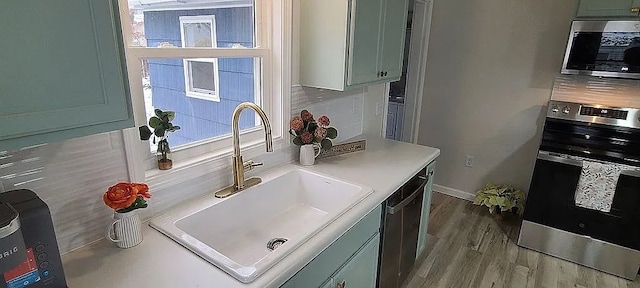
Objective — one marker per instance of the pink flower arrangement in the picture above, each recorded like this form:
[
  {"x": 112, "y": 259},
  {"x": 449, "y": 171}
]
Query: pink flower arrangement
[
  {"x": 323, "y": 121},
  {"x": 306, "y": 130}
]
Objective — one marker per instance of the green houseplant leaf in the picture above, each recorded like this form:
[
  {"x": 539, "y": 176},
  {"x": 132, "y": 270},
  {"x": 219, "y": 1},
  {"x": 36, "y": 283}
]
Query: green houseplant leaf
[
  {"x": 169, "y": 115},
  {"x": 155, "y": 122},
  {"x": 478, "y": 200},
  {"x": 145, "y": 132},
  {"x": 326, "y": 144},
  {"x": 159, "y": 131},
  {"x": 173, "y": 128},
  {"x": 332, "y": 133}
]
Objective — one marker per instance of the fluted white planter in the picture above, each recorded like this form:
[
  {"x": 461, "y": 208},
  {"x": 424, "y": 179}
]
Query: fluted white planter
[{"x": 125, "y": 229}]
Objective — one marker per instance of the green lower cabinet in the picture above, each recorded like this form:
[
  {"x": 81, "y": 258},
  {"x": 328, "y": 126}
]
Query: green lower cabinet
[
  {"x": 607, "y": 8},
  {"x": 426, "y": 207},
  {"x": 361, "y": 270},
  {"x": 355, "y": 253}
]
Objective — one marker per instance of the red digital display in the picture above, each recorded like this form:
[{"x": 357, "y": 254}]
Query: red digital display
[{"x": 24, "y": 274}]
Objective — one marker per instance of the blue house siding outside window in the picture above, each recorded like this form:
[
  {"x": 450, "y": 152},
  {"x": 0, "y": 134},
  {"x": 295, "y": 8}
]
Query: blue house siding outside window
[{"x": 198, "y": 118}]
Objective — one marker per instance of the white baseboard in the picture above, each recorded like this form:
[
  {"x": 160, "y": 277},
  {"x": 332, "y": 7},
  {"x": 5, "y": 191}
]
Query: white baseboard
[{"x": 454, "y": 192}]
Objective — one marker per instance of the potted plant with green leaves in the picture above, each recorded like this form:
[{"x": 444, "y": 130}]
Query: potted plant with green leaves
[
  {"x": 501, "y": 198},
  {"x": 162, "y": 126}
]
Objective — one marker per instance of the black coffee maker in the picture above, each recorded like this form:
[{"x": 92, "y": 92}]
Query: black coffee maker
[{"x": 29, "y": 255}]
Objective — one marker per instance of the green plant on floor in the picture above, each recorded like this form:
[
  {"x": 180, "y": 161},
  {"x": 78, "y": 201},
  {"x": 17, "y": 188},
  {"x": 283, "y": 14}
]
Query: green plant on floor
[{"x": 501, "y": 198}]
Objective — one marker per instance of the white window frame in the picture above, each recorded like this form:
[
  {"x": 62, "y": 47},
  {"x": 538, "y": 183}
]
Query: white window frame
[
  {"x": 273, "y": 46},
  {"x": 191, "y": 91}
]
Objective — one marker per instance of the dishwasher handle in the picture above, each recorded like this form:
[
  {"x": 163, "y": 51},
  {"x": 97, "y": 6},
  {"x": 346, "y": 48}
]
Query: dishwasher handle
[{"x": 398, "y": 207}]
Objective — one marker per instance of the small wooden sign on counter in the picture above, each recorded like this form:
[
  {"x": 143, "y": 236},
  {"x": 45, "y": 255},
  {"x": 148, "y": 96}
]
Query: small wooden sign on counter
[{"x": 344, "y": 149}]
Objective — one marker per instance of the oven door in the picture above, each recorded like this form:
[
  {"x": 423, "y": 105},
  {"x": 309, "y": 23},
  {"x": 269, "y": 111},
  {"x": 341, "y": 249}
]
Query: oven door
[{"x": 551, "y": 202}]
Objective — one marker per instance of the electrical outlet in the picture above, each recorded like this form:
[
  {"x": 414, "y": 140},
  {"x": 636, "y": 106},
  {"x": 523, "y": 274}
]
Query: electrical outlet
[
  {"x": 469, "y": 161},
  {"x": 379, "y": 108}
]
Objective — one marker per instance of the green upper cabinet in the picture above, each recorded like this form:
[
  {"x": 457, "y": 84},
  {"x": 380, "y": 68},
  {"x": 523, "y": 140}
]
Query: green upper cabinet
[
  {"x": 608, "y": 8},
  {"x": 392, "y": 40},
  {"x": 363, "y": 51},
  {"x": 62, "y": 71},
  {"x": 351, "y": 43}
]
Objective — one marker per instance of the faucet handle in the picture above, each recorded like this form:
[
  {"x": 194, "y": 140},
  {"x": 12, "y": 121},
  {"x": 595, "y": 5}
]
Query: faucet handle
[{"x": 248, "y": 165}]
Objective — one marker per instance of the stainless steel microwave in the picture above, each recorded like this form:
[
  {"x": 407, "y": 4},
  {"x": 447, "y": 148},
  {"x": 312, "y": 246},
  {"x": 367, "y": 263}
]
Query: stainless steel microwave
[{"x": 603, "y": 48}]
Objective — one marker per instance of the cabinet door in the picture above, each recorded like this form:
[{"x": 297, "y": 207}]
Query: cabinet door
[
  {"x": 363, "y": 42},
  {"x": 393, "y": 37},
  {"x": 426, "y": 207},
  {"x": 361, "y": 270},
  {"x": 598, "y": 8},
  {"x": 319, "y": 271},
  {"x": 62, "y": 68}
]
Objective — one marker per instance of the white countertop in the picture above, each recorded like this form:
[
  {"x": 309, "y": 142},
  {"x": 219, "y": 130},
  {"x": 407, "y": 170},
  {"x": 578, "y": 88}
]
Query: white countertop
[{"x": 160, "y": 262}]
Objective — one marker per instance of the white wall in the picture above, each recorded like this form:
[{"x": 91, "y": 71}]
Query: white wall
[{"x": 490, "y": 70}]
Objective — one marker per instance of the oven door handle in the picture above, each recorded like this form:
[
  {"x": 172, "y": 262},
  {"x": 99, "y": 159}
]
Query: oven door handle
[
  {"x": 558, "y": 159},
  {"x": 398, "y": 207},
  {"x": 632, "y": 173}
]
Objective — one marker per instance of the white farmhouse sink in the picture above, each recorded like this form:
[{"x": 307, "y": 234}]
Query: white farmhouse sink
[{"x": 233, "y": 233}]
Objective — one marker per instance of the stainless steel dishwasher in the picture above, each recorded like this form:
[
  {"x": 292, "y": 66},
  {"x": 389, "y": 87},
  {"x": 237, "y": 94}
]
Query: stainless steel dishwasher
[{"x": 401, "y": 225}]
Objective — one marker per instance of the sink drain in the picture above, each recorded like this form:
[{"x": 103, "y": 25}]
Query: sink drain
[{"x": 275, "y": 243}]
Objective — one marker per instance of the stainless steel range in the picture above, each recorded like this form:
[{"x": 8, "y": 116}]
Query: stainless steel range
[{"x": 584, "y": 199}]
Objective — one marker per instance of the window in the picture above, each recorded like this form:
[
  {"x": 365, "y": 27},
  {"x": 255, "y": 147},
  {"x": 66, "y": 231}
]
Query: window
[
  {"x": 201, "y": 59},
  {"x": 200, "y": 75}
]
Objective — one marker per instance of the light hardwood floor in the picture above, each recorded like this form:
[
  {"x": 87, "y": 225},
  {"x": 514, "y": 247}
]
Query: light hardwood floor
[{"x": 469, "y": 248}]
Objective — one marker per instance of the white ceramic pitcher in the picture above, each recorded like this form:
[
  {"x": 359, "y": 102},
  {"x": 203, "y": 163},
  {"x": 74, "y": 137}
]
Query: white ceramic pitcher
[
  {"x": 126, "y": 228},
  {"x": 308, "y": 154}
]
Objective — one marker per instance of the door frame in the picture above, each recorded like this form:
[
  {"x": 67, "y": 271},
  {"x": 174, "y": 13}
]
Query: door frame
[{"x": 419, "y": 46}]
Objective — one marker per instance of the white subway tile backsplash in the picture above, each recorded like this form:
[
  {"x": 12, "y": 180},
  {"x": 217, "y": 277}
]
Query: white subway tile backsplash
[
  {"x": 345, "y": 109},
  {"x": 71, "y": 176}
]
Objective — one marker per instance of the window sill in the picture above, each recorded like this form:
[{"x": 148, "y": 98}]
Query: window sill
[
  {"x": 203, "y": 96},
  {"x": 207, "y": 164}
]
